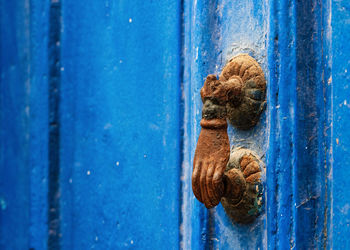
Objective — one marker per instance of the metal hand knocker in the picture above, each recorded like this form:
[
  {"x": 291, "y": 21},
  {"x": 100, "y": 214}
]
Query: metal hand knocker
[{"x": 238, "y": 95}]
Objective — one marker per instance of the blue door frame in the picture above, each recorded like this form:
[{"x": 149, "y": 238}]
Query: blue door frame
[{"x": 100, "y": 111}]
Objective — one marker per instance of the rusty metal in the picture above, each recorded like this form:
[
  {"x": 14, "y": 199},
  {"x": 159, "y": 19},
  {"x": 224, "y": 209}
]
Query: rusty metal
[
  {"x": 243, "y": 199},
  {"x": 238, "y": 95}
]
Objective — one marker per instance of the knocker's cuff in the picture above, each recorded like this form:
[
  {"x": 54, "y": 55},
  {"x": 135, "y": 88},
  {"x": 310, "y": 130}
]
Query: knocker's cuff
[{"x": 214, "y": 123}]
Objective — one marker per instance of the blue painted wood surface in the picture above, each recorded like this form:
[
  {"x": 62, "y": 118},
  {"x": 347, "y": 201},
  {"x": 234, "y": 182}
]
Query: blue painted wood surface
[
  {"x": 90, "y": 109},
  {"x": 24, "y": 125},
  {"x": 298, "y": 120},
  {"x": 339, "y": 216},
  {"x": 100, "y": 111},
  {"x": 213, "y": 34},
  {"x": 119, "y": 119}
]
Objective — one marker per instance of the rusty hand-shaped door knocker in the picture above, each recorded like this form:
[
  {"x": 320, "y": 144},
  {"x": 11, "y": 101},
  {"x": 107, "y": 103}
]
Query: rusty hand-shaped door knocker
[{"x": 238, "y": 95}]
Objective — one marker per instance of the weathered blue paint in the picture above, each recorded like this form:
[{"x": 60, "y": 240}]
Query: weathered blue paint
[
  {"x": 23, "y": 124},
  {"x": 14, "y": 127},
  {"x": 100, "y": 112},
  {"x": 340, "y": 133},
  {"x": 119, "y": 119},
  {"x": 38, "y": 95},
  {"x": 199, "y": 54},
  {"x": 213, "y": 34},
  {"x": 114, "y": 173},
  {"x": 299, "y": 122},
  {"x": 247, "y": 38},
  {"x": 312, "y": 125},
  {"x": 299, "y": 114}
]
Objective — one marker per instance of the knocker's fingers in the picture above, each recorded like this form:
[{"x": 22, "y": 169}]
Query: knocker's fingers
[
  {"x": 210, "y": 186},
  {"x": 252, "y": 168},
  {"x": 195, "y": 180},
  {"x": 207, "y": 87},
  {"x": 217, "y": 186},
  {"x": 202, "y": 182},
  {"x": 218, "y": 183}
]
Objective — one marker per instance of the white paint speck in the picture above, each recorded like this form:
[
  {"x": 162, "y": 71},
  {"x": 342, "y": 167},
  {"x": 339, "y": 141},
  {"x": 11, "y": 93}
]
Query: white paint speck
[
  {"x": 27, "y": 110},
  {"x": 132, "y": 242},
  {"x": 3, "y": 204},
  {"x": 120, "y": 61},
  {"x": 96, "y": 238},
  {"x": 107, "y": 126},
  {"x": 329, "y": 80},
  {"x": 70, "y": 180},
  {"x": 144, "y": 156},
  {"x": 117, "y": 163},
  {"x": 62, "y": 68},
  {"x": 130, "y": 20},
  {"x": 88, "y": 172},
  {"x": 345, "y": 209}
]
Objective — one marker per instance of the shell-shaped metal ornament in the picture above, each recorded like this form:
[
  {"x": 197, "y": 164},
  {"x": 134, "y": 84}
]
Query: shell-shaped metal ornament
[
  {"x": 246, "y": 113},
  {"x": 250, "y": 204}
]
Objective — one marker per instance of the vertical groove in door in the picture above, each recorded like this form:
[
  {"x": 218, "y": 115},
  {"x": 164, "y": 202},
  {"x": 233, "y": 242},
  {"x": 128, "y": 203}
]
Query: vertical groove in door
[
  {"x": 54, "y": 128},
  {"x": 281, "y": 160},
  {"x": 298, "y": 123},
  {"x": 181, "y": 123},
  {"x": 272, "y": 114},
  {"x": 182, "y": 145},
  {"x": 312, "y": 126},
  {"x": 326, "y": 163}
]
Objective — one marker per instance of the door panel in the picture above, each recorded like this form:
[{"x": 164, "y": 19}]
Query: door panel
[
  {"x": 100, "y": 111},
  {"x": 338, "y": 82},
  {"x": 91, "y": 113},
  {"x": 24, "y": 124},
  {"x": 119, "y": 125}
]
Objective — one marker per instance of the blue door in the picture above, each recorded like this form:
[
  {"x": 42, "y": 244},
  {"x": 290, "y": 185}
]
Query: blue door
[{"x": 99, "y": 119}]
